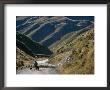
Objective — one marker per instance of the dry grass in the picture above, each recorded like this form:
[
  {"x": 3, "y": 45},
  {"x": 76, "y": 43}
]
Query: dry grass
[
  {"x": 81, "y": 53},
  {"x": 23, "y": 59}
]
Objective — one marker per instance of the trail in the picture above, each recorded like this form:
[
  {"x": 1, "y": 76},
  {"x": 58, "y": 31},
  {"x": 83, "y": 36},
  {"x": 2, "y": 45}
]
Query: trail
[
  {"x": 41, "y": 71},
  {"x": 45, "y": 68}
]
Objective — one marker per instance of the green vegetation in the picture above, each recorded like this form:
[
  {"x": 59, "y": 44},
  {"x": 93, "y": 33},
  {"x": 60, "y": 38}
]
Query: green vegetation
[
  {"x": 77, "y": 54},
  {"x": 31, "y": 47}
]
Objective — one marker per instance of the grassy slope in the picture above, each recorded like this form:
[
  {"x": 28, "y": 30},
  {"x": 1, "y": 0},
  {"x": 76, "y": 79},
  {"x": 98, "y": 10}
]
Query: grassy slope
[
  {"x": 79, "y": 53},
  {"x": 23, "y": 59}
]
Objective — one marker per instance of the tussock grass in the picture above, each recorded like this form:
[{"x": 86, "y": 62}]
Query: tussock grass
[
  {"x": 23, "y": 59},
  {"x": 80, "y": 50}
]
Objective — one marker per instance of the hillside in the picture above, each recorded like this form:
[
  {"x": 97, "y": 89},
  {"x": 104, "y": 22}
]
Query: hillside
[
  {"x": 75, "y": 55},
  {"x": 24, "y": 62},
  {"x": 23, "y": 59},
  {"x": 60, "y": 44},
  {"x": 31, "y": 47},
  {"x": 50, "y": 29}
]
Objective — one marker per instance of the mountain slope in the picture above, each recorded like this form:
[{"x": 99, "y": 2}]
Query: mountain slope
[
  {"x": 31, "y": 47},
  {"x": 49, "y": 29},
  {"x": 23, "y": 59},
  {"x": 75, "y": 55}
]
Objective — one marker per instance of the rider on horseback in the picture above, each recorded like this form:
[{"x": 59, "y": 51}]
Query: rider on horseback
[{"x": 36, "y": 65}]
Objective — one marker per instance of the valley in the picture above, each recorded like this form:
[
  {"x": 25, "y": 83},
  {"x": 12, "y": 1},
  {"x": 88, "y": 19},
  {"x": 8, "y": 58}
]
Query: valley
[{"x": 59, "y": 44}]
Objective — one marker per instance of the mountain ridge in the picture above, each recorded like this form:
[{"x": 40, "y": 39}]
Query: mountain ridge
[
  {"x": 45, "y": 29},
  {"x": 31, "y": 47}
]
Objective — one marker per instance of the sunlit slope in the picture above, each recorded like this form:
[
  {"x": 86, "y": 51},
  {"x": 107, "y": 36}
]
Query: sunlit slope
[{"x": 75, "y": 55}]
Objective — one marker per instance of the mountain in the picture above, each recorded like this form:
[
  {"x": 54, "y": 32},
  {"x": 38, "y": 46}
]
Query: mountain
[
  {"x": 68, "y": 41},
  {"x": 23, "y": 59},
  {"x": 47, "y": 30},
  {"x": 31, "y": 47},
  {"x": 75, "y": 54},
  {"x": 90, "y": 18}
]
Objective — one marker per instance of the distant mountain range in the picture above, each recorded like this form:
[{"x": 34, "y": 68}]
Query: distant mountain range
[{"x": 47, "y": 30}]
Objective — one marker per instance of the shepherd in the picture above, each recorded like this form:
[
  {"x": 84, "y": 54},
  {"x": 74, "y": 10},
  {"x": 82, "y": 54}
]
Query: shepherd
[{"x": 36, "y": 66}]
